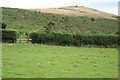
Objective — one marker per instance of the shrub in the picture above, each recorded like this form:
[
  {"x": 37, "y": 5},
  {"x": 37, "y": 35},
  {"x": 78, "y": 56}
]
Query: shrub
[
  {"x": 9, "y": 35},
  {"x": 76, "y": 6},
  {"x": 4, "y": 26},
  {"x": 105, "y": 40},
  {"x": 87, "y": 39},
  {"x": 64, "y": 38},
  {"x": 42, "y": 37},
  {"x": 77, "y": 39},
  {"x": 95, "y": 39},
  {"x": 34, "y": 37},
  {"x": 46, "y": 38},
  {"x": 92, "y": 19}
]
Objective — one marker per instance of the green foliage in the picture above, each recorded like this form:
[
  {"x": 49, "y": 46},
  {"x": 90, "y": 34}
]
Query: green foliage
[
  {"x": 88, "y": 39},
  {"x": 64, "y": 38},
  {"x": 77, "y": 39},
  {"x": 96, "y": 39},
  {"x": 34, "y": 37},
  {"x": 9, "y": 35},
  {"x": 29, "y": 20},
  {"x": 54, "y": 38},
  {"x": 4, "y": 26},
  {"x": 92, "y": 19},
  {"x": 42, "y": 37},
  {"x": 49, "y": 26},
  {"x": 100, "y": 40},
  {"x": 46, "y": 38},
  {"x": 76, "y": 6}
]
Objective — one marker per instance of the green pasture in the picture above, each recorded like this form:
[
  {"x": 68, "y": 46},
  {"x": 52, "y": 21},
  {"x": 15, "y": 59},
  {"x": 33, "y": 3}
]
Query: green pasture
[{"x": 42, "y": 61}]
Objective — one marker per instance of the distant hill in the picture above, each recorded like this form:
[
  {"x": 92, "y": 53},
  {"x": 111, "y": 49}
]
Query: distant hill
[
  {"x": 65, "y": 19},
  {"x": 77, "y": 11}
]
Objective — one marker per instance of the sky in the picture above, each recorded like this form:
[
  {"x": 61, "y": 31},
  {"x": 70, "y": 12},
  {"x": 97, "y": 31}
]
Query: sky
[{"x": 109, "y": 6}]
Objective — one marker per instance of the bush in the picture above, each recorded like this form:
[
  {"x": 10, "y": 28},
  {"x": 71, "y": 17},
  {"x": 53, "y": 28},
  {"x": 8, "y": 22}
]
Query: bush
[
  {"x": 34, "y": 37},
  {"x": 64, "y": 38},
  {"x": 92, "y": 19},
  {"x": 87, "y": 39},
  {"x": 9, "y": 35},
  {"x": 46, "y": 38},
  {"x": 77, "y": 39},
  {"x": 54, "y": 38},
  {"x": 106, "y": 40},
  {"x": 4, "y": 26},
  {"x": 99, "y": 40},
  {"x": 42, "y": 37}
]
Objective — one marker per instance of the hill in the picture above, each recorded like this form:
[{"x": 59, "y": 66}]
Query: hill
[
  {"x": 29, "y": 20},
  {"x": 77, "y": 11}
]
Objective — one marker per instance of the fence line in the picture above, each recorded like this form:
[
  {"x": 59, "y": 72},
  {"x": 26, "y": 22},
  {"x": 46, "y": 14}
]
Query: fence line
[{"x": 21, "y": 41}]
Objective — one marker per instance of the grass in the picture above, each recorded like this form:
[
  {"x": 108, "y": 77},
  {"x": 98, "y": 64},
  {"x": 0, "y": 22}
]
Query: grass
[
  {"x": 77, "y": 11},
  {"x": 28, "y": 20},
  {"x": 42, "y": 61}
]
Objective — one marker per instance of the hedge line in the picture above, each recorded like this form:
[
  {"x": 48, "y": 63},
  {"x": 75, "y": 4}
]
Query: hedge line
[
  {"x": 75, "y": 39},
  {"x": 9, "y": 35}
]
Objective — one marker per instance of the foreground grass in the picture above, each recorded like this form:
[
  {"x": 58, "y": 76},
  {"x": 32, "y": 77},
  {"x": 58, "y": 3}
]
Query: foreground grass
[{"x": 42, "y": 61}]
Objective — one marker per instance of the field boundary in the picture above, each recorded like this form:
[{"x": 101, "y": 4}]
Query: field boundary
[{"x": 23, "y": 39}]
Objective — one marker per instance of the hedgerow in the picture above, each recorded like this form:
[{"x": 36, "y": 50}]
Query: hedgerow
[
  {"x": 76, "y": 39},
  {"x": 9, "y": 35},
  {"x": 63, "y": 38}
]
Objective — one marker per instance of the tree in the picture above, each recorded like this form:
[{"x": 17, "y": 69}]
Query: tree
[
  {"x": 76, "y": 6},
  {"x": 4, "y": 26},
  {"x": 92, "y": 19}
]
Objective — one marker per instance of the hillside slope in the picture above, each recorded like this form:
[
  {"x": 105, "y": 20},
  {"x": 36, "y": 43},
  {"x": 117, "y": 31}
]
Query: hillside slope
[
  {"x": 77, "y": 11},
  {"x": 29, "y": 20}
]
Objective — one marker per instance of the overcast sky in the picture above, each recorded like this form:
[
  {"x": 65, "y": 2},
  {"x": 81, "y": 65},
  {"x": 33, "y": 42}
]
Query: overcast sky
[{"x": 110, "y": 6}]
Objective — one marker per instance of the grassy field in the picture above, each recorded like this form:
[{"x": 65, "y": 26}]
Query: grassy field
[{"x": 42, "y": 61}]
